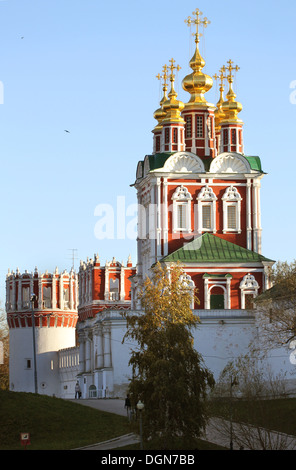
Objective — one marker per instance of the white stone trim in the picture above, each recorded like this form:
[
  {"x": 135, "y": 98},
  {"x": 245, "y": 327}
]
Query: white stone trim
[
  {"x": 231, "y": 197},
  {"x": 206, "y": 197},
  {"x": 182, "y": 197},
  {"x": 248, "y": 285}
]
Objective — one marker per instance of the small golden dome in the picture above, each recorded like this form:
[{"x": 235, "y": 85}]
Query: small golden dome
[
  {"x": 219, "y": 114},
  {"x": 173, "y": 107},
  {"x": 231, "y": 107},
  {"x": 160, "y": 114}
]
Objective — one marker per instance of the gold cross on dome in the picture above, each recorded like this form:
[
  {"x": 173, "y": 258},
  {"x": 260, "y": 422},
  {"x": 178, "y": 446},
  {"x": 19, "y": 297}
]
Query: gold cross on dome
[
  {"x": 230, "y": 68},
  {"x": 173, "y": 67},
  {"x": 164, "y": 75},
  {"x": 198, "y": 22},
  {"x": 221, "y": 77}
]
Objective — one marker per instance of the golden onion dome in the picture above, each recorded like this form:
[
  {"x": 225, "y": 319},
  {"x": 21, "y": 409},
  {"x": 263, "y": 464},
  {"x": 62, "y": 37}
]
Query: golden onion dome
[
  {"x": 219, "y": 114},
  {"x": 173, "y": 107},
  {"x": 197, "y": 83},
  {"x": 160, "y": 114},
  {"x": 231, "y": 107}
]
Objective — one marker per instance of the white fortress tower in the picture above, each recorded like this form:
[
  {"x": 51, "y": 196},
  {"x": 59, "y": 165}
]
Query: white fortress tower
[{"x": 52, "y": 300}]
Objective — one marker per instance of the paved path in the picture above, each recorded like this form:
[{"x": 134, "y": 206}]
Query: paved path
[{"x": 217, "y": 431}]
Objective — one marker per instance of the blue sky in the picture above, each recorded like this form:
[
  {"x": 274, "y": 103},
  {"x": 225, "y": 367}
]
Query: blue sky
[{"x": 89, "y": 66}]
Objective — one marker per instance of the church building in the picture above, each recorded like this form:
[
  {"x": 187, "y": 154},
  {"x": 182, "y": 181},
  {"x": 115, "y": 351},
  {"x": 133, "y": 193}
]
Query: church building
[{"x": 198, "y": 196}]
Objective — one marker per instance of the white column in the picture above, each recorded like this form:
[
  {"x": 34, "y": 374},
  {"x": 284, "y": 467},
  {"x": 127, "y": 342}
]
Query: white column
[
  {"x": 89, "y": 278},
  {"x": 40, "y": 292},
  {"x": 248, "y": 215},
  {"x": 165, "y": 217},
  {"x": 152, "y": 225},
  {"x": 122, "y": 290},
  {"x": 61, "y": 286},
  {"x": 13, "y": 299},
  {"x": 206, "y": 294},
  {"x": 87, "y": 355},
  {"x": 76, "y": 292},
  {"x": 81, "y": 353},
  {"x": 53, "y": 292},
  {"x": 99, "y": 349},
  {"x": 259, "y": 218},
  {"x": 106, "y": 282},
  {"x": 107, "y": 346},
  {"x": 159, "y": 234},
  {"x": 71, "y": 290},
  {"x": 228, "y": 300},
  {"x": 255, "y": 216},
  {"x": 19, "y": 294}
]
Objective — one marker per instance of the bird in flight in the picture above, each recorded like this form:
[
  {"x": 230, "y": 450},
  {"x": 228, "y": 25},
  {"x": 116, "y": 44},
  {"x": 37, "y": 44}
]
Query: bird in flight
[{"x": 67, "y": 131}]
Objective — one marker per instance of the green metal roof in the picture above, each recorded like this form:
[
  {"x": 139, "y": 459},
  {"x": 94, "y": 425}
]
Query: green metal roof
[
  {"x": 158, "y": 160},
  {"x": 255, "y": 163},
  {"x": 209, "y": 248}
]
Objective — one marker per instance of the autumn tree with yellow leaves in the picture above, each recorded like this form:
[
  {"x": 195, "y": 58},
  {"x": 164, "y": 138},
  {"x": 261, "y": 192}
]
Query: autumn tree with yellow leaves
[{"x": 169, "y": 376}]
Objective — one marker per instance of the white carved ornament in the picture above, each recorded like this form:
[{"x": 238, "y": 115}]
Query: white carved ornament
[
  {"x": 231, "y": 194},
  {"x": 206, "y": 194},
  {"x": 249, "y": 282},
  {"x": 184, "y": 163},
  {"x": 230, "y": 163},
  {"x": 181, "y": 194}
]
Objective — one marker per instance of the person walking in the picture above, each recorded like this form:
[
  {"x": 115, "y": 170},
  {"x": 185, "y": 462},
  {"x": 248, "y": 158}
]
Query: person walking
[
  {"x": 77, "y": 390},
  {"x": 127, "y": 405}
]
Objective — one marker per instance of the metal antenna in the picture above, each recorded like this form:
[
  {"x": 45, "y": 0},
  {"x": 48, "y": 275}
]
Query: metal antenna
[{"x": 73, "y": 257}]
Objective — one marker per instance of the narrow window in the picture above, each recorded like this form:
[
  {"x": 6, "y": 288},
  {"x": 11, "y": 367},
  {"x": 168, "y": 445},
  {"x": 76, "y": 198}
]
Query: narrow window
[
  {"x": 231, "y": 217},
  {"x": 167, "y": 135},
  {"x": 207, "y": 217},
  {"x": 175, "y": 135},
  {"x": 157, "y": 147},
  {"x": 225, "y": 137},
  {"x": 188, "y": 127},
  {"x": 199, "y": 126},
  {"x": 181, "y": 210},
  {"x": 233, "y": 136}
]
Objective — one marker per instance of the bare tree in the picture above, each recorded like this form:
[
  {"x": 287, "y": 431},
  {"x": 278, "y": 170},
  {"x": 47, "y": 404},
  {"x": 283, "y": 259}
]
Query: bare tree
[{"x": 252, "y": 384}]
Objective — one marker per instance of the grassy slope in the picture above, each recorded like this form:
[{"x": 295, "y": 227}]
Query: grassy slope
[
  {"x": 278, "y": 414},
  {"x": 54, "y": 423}
]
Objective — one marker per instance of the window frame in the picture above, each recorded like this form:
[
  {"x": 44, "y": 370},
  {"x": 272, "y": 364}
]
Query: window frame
[
  {"x": 199, "y": 127},
  {"x": 232, "y": 198},
  {"x": 181, "y": 197},
  {"x": 206, "y": 197}
]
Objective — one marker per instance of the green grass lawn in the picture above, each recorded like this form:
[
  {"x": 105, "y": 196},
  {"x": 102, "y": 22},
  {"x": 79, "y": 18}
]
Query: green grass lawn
[
  {"x": 277, "y": 414},
  {"x": 56, "y": 424},
  {"x": 53, "y": 423}
]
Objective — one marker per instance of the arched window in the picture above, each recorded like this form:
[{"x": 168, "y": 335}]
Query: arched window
[
  {"x": 231, "y": 210},
  {"x": 181, "y": 210},
  {"x": 46, "y": 297},
  {"x": 206, "y": 210},
  {"x": 217, "y": 291},
  {"x": 249, "y": 290},
  {"x": 114, "y": 289}
]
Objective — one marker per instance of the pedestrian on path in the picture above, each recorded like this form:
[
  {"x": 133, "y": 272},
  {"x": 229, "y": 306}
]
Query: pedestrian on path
[
  {"x": 127, "y": 405},
  {"x": 77, "y": 390}
]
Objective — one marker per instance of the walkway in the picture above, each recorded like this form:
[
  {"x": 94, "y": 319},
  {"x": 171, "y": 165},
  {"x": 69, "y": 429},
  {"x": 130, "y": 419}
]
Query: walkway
[{"x": 217, "y": 432}]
